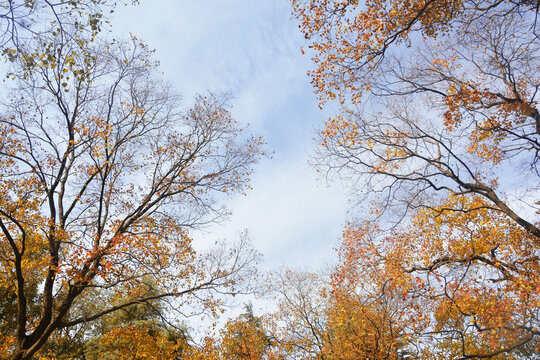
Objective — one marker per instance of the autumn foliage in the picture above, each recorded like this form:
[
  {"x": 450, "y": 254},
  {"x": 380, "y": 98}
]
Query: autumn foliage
[
  {"x": 102, "y": 176},
  {"x": 439, "y": 132},
  {"x": 464, "y": 282}
]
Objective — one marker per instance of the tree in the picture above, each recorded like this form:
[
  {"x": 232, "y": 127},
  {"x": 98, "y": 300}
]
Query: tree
[
  {"x": 368, "y": 316},
  {"x": 467, "y": 282},
  {"x": 101, "y": 178},
  {"x": 137, "y": 343},
  {"x": 439, "y": 128},
  {"x": 300, "y": 323},
  {"x": 245, "y": 338},
  {"x": 143, "y": 330},
  {"x": 344, "y": 317},
  {"x": 472, "y": 75},
  {"x": 21, "y": 20}
]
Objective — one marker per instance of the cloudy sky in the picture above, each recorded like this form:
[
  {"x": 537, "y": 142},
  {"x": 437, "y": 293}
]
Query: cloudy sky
[{"x": 252, "y": 49}]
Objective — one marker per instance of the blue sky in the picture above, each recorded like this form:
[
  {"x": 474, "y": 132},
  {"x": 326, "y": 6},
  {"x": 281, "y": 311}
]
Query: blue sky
[{"x": 252, "y": 49}]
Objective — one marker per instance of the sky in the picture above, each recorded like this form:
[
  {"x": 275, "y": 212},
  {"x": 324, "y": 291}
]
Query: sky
[{"x": 252, "y": 49}]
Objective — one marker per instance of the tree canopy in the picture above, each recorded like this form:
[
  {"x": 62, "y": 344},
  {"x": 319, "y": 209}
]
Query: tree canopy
[
  {"x": 102, "y": 176},
  {"x": 439, "y": 131}
]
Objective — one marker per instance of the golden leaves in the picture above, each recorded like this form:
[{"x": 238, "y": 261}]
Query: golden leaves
[
  {"x": 347, "y": 38},
  {"x": 129, "y": 342},
  {"x": 452, "y": 100},
  {"x": 473, "y": 268}
]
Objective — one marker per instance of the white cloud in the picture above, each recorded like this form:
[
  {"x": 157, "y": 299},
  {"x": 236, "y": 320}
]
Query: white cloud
[
  {"x": 293, "y": 219},
  {"x": 253, "y": 49}
]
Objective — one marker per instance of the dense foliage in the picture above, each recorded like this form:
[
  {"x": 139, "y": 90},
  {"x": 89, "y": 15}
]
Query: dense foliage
[{"x": 439, "y": 131}]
